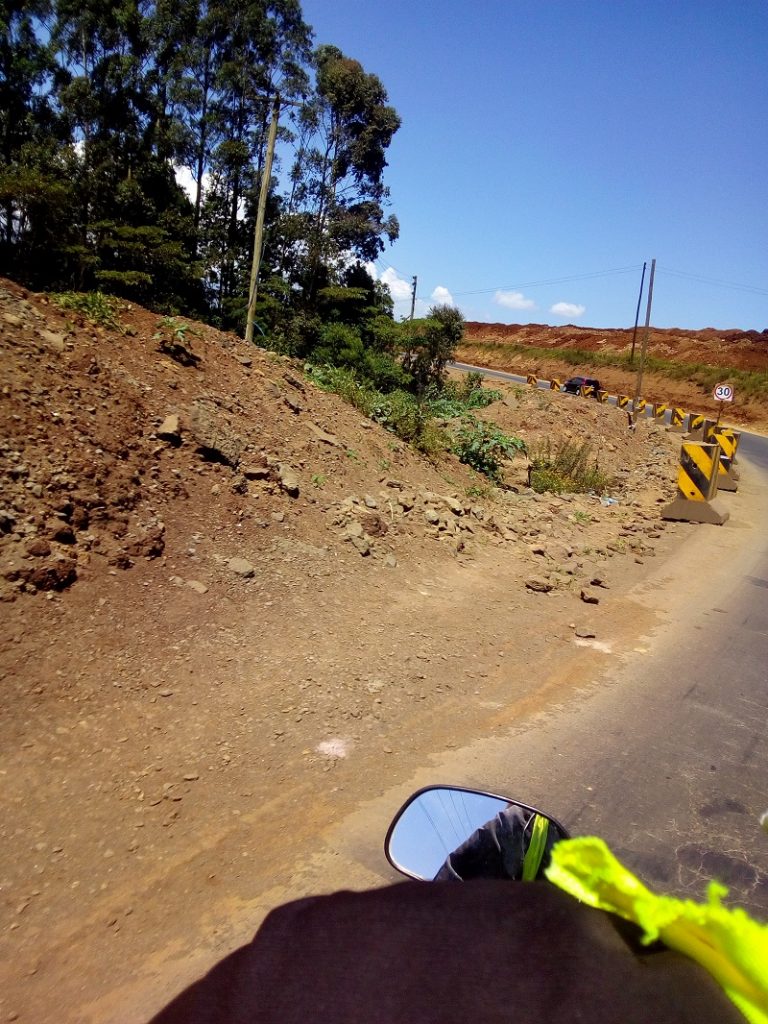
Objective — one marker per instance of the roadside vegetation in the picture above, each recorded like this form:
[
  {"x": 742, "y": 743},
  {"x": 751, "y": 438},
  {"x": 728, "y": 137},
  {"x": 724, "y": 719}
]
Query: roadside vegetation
[{"x": 566, "y": 467}]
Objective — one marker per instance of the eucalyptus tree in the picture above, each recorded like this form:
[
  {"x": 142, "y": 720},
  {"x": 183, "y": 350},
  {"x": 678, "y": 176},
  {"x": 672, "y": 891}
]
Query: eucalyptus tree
[{"x": 338, "y": 196}]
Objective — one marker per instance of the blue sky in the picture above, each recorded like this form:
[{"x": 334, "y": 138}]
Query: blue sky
[{"x": 547, "y": 140}]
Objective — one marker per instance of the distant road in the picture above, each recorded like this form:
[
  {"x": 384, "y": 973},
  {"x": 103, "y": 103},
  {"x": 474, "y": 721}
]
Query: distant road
[{"x": 752, "y": 446}]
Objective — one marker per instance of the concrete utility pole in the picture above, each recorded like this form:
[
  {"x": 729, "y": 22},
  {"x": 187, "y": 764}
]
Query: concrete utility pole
[
  {"x": 644, "y": 347},
  {"x": 258, "y": 234},
  {"x": 413, "y": 296},
  {"x": 637, "y": 316}
]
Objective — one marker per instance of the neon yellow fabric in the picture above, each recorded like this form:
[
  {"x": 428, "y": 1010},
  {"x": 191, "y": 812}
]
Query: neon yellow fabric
[
  {"x": 729, "y": 943},
  {"x": 535, "y": 852}
]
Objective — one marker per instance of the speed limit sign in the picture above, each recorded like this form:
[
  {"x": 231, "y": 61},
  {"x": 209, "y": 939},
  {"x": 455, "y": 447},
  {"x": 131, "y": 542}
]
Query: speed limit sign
[{"x": 723, "y": 393}]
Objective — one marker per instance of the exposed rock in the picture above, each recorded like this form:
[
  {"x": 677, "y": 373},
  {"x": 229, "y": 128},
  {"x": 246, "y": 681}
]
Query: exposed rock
[
  {"x": 390, "y": 561},
  {"x": 354, "y": 529},
  {"x": 52, "y": 340},
  {"x": 292, "y": 404},
  {"x": 54, "y": 575},
  {"x": 255, "y": 471},
  {"x": 38, "y": 548},
  {"x": 374, "y": 525},
  {"x": 150, "y": 544},
  {"x": 241, "y": 567},
  {"x": 170, "y": 430},
  {"x": 288, "y": 480},
  {"x": 321, "y": 435},
  {"x": 197, "y": 586},
  {"x": 585, "y": 632},
  {"x": 588, "y": 598},
  {"x": 369, "y": 501},
  {"x": 362, "y": 544},
  {"x": 539, "y": 584},
  {"x": 215, "y": 440}
]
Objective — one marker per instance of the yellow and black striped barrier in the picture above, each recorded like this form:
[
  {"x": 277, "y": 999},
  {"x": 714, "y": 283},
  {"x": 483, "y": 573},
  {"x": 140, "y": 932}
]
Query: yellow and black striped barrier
[
  {"x": 639, "y": 405},
  {"x": 586, "y": 391},
  {"x": 622, "y": 401},
  {"x": 677, "y": 418},
  {"x": 728, "y": 475},
  {"x": 555, "y": 385},
  {"x": 697, "y": 486},
  {"x": 533, "y": 380},
  {"x": 602, "y": 397},
  {"x": 659, "y": 410},
  {"x": 695, "y": 424}
]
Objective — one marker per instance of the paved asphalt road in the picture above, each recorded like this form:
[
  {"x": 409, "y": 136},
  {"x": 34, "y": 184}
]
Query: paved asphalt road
[{"x": 666, "y": 755}]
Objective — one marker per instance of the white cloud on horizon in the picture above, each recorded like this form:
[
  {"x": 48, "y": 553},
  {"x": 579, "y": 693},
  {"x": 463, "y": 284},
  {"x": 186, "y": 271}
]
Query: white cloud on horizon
[
  {"x": 441, "y": 296},
  {"x": 513, "y": 300},
  {"x": 568, "y": 310}
]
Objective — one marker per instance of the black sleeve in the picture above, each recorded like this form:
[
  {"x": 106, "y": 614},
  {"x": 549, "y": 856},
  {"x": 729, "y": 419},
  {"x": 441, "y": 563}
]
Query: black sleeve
[{"x": 430, "y": 953}]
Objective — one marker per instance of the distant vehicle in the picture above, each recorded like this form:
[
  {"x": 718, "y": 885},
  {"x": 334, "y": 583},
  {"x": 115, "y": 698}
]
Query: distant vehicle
[{"x": 574, "y": 385}]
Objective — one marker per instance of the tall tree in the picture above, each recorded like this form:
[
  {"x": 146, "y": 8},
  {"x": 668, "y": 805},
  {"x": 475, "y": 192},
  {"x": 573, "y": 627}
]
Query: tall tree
[{"x": 338, "y": 179}]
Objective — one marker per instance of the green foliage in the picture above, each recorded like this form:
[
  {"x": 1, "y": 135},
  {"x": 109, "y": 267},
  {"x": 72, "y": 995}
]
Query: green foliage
[
  {"x": 318, "y": 479},
  {"x": 430, "y": 344},
  {"x": 566, "y": 467},
  {"x": 97, "y": 307},
  {"x": 456, "y": 399},
  {"x": 483, "y": 446}
]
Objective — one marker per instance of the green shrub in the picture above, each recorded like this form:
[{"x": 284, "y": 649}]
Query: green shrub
[
  {"x": 95, "y": 306},
  {"x": 483, "y": 446},
  {"x": 568, "y": 467}
]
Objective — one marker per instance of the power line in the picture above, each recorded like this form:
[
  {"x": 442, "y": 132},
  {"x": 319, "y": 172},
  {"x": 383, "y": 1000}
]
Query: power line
[
  {"x": 554, "y": 280},
  {"x": 711, "y": 280}
]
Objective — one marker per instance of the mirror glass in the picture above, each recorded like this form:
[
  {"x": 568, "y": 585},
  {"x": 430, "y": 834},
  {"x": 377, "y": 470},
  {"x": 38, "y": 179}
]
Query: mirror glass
[{"x": 433, "y": 824}]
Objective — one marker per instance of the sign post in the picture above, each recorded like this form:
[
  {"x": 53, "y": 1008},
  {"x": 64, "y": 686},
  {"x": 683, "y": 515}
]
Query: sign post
[{"x": 723, "y": 393}]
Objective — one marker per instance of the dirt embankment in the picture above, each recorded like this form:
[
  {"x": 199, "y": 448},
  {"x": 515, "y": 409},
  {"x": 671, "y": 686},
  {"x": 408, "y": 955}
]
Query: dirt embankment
[
  {"x": 484, "y": 345},
  {"x": 226, "y": 595}
]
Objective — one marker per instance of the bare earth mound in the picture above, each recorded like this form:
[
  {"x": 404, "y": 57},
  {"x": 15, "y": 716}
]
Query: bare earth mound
[{"x": 225, "y": 596}]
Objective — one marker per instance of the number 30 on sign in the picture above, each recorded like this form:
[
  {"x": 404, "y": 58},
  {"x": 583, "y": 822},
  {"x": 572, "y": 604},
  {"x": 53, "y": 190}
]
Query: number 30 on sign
[{"x": 723, "y": 393}]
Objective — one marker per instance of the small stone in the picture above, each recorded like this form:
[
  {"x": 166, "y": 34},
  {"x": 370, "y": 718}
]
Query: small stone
[
  {"x": 191, "y": 777},
  {"x": 585, "y": 632},
  {"x": 539, "y": 584},
  {"x": 241, "y": 567},
  {"x": 362, "y": 544},
  {"x": 278, "y": 517},
  {"x": 288, "y": 479},
  {"x": 390, "y": 561},
  {"x": 170, "y": 430},
  {"x": 197, "y": 586},
  {"x": 588, "y": 598},
  {"x": 39, "y": 548},
  {"x": 370, "y": 501},
  {"x": 165, "y": 693}
]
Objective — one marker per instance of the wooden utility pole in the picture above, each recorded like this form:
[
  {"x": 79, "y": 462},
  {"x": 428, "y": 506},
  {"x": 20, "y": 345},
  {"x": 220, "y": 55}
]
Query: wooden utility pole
[
  {"x": 258, "y": 234},
  {"x": 644, "y": 347},
  {"x": 637, "y": 316},
  {"x": 413, "y": 296}
]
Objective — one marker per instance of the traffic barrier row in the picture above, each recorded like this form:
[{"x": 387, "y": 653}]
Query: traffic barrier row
[
  {"x": 680, "y": 420},
  {"x": 706, "y": 467},
  {"x": 707, "y": 456}
]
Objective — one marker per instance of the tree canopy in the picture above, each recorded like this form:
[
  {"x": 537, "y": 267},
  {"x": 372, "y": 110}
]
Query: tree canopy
[{"x": 105, "y": 108}]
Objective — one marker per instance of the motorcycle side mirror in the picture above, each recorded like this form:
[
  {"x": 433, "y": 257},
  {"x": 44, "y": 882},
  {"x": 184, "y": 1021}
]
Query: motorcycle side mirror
[{"x": 436, "y": 820}]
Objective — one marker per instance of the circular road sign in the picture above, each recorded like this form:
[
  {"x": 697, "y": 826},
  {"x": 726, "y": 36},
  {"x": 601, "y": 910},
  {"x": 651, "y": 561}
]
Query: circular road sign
[{"x": 723, "y": 393}]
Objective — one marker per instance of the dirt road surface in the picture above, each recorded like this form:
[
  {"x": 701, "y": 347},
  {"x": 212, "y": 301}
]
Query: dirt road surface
[{"x": 234, "y": 614}]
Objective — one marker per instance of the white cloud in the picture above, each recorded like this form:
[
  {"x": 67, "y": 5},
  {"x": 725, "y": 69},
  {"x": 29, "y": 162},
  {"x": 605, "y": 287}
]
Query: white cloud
[
  {"x": 399, "y": 288},
  {"x": 567, "y": 310},
  {"x": 441, "y": 296},
  {"x": 514, "y": 300}
]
